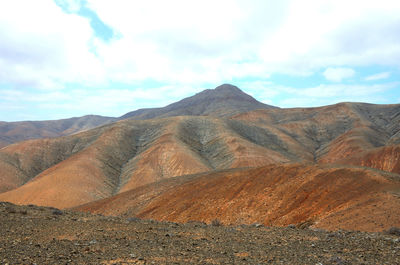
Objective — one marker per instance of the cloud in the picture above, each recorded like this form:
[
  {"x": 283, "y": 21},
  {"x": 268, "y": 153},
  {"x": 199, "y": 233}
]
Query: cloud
[
  {"x": 294, "y": 37},
  {"x": 43, "y": 47},
  {"x": 77, "y": 102},
  {"x": 333, "y": 93},
  {"x": 262, "y": 90},
  {"x": 46, "y": 45},
  {"x": 191, "y": 42},
  {"x": 378, "y": 76},
  {"x": 338, "y": 74}
]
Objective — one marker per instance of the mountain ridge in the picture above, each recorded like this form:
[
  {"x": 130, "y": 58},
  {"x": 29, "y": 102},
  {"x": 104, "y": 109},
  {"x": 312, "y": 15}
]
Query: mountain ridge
[
  {"x": 224, "y": 100},
  {"x": 129, "y": 153},
  {"x": 12, "y": 132}
]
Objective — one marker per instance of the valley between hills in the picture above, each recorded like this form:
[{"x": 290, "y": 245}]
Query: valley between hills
[{"x": 218, "y": 155}]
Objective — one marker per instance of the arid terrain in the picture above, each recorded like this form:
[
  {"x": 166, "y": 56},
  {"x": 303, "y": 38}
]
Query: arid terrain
[
  {"x": 323, "y": 197},
  {"x": 38, "y": 235},
  {"x": 218, "y": 156},
  {"x": 12, "y": 132}
]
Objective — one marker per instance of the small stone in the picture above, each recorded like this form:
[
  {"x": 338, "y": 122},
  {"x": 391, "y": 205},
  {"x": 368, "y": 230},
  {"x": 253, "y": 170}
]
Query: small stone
[
  {"x": 394, "y": 231},
  {"x": 337, "y": 260},
  {"x": 133, "y": 219},
  {"x": 57, "y": 212}
]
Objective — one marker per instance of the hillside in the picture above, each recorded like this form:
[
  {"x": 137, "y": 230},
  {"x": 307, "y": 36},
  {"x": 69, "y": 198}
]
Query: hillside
[
  {"x": 121, "y": 156},
  {"x": 12, "y": 132},
  {"x": 72, "y": 170},
  {"x": 276, "y": 195},
  {"x": 333, "y": 133},
  {"x": 385, "y": 158}
]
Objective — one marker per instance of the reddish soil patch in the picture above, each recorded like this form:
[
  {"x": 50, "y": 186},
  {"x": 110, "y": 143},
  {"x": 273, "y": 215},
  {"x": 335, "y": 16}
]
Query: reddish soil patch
[{"x": 278, "y": 195}]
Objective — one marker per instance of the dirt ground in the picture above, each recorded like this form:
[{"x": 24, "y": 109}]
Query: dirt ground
[{"x": 39, "y": 235}]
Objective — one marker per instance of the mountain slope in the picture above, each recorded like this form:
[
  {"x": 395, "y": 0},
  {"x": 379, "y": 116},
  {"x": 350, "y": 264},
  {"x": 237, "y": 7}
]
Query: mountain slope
[
  {"x": 131, "y": 153},
  {"x": 385, "y": 158},
  {"x": 123, "y": 156},
  {"x": 278, "y": 195},
  {"x": 223, "y": 101},
  {"x": 20, "y": 162},
  {"x": 332, "y": 133},
  {"x": 11, "y": 132}
]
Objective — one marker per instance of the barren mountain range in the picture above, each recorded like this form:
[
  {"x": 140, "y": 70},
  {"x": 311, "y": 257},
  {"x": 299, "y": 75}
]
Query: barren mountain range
[
  {"x": 11, "y": 132},
  {"x": 225, "y": 100},
  {"x": 219, "y": 154}
]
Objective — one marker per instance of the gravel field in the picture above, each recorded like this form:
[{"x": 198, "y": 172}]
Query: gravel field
[{"x": 39, "y": 235}]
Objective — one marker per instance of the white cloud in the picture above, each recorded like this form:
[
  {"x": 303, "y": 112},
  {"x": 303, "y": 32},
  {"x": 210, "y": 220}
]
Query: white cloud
[
  {"x": 338, "y": 74},
  {"x": 333, "y": 93},
  {"x": 378, "y": 76},
  {"x": 203, "y": 41},
  {"x": 190, "y": 41},
  {"x": 41, "y": 46},
  {"x": 77, "y": 102},
  {"x": 341, "y": 90},
  {"x": 261, "y": 90},
  {"x": 186, "y": 44}
]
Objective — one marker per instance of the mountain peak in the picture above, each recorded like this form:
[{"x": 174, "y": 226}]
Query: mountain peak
[
  {"x": 224, "y": 100},
  {"x": 228, "y": 87},
  {"x": 224, "y": 92}
]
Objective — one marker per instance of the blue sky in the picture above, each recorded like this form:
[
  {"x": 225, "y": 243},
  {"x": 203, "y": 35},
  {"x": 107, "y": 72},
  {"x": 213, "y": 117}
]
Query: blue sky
[{"x": 60, "y": 58}]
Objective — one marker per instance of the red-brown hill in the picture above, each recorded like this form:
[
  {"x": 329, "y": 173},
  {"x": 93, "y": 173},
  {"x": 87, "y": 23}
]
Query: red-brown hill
[
  {"x": 323, "y": 196},
  {"x": 68, "y": 171},
  {"x": 385, "y": 158}
]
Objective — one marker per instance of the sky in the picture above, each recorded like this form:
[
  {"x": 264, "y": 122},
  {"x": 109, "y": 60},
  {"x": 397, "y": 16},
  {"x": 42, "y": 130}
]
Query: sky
[{"x": 66, "y": 58}]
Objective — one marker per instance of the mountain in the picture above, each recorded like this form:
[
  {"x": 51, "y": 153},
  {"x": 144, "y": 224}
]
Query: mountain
[
  {"x": 98, "y": 163},
  {"x": 321, "y": 148},
  {"x": 332, "y": 133},
  {"x": 223, "y": 101},
  {"x": 11, "y": 132},
  {"x": 64, "y": 172}
]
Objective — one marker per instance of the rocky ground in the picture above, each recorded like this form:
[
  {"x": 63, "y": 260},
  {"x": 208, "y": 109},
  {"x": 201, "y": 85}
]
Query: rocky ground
[{"x": 38, "y": 235}]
